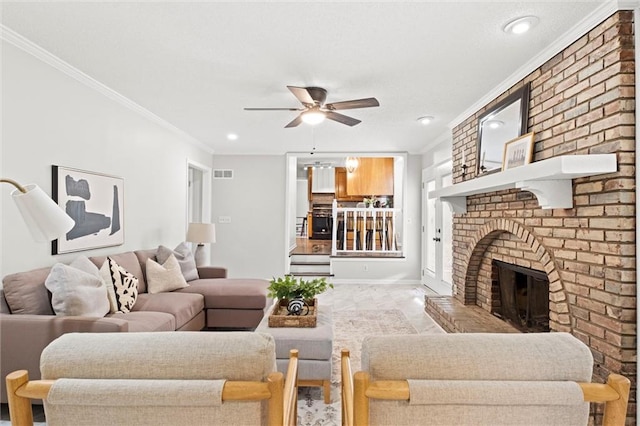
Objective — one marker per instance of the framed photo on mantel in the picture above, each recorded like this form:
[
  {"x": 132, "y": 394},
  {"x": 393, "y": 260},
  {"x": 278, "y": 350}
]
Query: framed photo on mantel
[
  {"x": 95, "y": 202},
  {"x": 518, "y": 152}
]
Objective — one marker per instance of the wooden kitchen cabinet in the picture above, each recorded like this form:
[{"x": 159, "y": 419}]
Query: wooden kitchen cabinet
[
  {"x": 341, "y": 187},
  {"x": 374, "y": 176}
]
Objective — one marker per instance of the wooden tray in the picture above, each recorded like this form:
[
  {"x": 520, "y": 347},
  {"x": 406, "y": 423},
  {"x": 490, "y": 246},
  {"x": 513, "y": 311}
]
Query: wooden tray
[{"x": 280, "y": 316}]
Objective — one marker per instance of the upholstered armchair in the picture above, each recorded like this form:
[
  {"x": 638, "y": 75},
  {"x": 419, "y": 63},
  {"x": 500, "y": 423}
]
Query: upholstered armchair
[
  {"x": 158, "y": 378},
  {"x": 477, "y": 379}
]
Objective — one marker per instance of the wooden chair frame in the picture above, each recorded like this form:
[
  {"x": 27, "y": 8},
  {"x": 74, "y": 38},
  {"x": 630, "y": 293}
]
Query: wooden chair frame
[
  {"x": 358, "y": 389},
  {"x": 282, "y": 394}
]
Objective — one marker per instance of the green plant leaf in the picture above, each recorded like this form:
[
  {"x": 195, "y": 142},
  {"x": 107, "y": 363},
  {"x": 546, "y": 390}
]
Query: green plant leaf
[{"x": 289, "y": 287}]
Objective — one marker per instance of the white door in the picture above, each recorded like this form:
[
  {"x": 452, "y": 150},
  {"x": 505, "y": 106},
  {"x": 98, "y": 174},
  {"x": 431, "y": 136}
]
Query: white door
[
  {"x": 195, "y": 195},
  {"x": 198, "y": 197},
  {"x": 437, "y": 231}
]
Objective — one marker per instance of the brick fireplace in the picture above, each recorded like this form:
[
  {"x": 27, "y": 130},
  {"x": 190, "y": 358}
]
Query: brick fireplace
[{"x": 582, "y": 101}]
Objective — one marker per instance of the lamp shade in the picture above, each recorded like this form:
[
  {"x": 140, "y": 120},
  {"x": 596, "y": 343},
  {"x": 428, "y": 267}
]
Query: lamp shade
[
  {"x": 201, "y": 233},
  {"x": 44, "y": 218}
]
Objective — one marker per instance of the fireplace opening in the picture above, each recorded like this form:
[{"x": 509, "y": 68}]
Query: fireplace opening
[{"x": 523, "y": 297}]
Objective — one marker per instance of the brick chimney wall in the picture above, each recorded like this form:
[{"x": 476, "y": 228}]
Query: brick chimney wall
[{"x": 582, "y": 101}]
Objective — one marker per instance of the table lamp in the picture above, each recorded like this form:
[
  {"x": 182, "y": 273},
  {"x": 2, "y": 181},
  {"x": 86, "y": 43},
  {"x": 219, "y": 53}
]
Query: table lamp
[
  {"x": 201, "y": 233},
  {"x": 44, "y": 218}
]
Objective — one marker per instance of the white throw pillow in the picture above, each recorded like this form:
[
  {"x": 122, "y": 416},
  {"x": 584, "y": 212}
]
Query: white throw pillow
[
  {"x": 185, "y": 259},
  {"x": 122, "y": 286},
  {"x": 77, "y": 289},
  {"x": 165, "y": 277}
]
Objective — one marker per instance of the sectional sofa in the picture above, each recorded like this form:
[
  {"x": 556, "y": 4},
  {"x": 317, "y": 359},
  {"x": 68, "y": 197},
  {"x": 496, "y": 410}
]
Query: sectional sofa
[{"x": 28, "y": 322}]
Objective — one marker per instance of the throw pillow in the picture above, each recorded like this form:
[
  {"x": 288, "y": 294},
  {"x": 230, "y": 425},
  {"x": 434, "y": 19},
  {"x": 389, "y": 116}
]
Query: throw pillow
[
  {"x": 185, "y": 259},
  {"x": 122, "y": 286},
  {"x": 165, "y": 277},
  {"x": 77, "y": 289},
  {"x": 25, "y": 293}
]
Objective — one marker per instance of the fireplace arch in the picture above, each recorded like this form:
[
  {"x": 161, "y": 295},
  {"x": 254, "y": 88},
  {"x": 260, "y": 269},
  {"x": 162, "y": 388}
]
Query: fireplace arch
[{"x": 477, "y": 277}]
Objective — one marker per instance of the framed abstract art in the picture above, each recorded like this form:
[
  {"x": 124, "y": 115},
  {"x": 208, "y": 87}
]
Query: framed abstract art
[{"x": 95, "y": 202}]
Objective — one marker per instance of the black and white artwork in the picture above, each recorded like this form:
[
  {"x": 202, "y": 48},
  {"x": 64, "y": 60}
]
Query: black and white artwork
[{"x": 95, "y": 202}]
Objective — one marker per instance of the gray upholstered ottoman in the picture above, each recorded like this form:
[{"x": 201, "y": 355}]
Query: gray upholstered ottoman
[{"x": 314, "y": 345}]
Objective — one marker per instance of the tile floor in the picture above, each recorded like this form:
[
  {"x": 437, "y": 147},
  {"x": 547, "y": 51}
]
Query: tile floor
[{"x": 405, "y": 297}]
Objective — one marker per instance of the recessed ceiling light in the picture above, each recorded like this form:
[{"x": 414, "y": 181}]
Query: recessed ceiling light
[
  {"x": 520, "y": 25},
  {"x": 232, "y": 137},
  {"x": 426, "y": 119}
]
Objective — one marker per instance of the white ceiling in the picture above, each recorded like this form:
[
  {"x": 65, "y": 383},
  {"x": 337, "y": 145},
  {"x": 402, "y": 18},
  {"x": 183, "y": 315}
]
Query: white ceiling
[{"x": 198, "y": 64}]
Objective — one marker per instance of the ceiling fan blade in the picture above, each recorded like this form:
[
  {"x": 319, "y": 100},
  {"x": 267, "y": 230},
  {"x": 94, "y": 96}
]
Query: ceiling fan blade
[
  {"x": 349, "y": 121},
  {"x": 357, "y": 103},
  {"x": 296, "y": 122},
  {"x": 272, "y": 109},
  {"x": 302, "y": 94}
]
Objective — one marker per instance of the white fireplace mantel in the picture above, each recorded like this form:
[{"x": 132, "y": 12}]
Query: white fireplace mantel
[{"x": 549, "y": 180}]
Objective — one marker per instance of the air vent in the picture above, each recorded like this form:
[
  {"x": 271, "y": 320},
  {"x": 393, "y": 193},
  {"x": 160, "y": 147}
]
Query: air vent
[{"x": 223, "y": 174}]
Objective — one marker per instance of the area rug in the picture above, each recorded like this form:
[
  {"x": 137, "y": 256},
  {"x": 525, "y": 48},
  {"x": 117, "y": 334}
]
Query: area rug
[{"x": 349, "y": 330}]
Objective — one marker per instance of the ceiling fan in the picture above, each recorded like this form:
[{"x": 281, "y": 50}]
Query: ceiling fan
[{"x": 314, "y": 109}]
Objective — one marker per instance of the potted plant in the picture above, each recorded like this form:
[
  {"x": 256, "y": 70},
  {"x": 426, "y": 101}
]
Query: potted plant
[
  {"x": 371, "y": 201},
  {"x": 296, "y": 295}
]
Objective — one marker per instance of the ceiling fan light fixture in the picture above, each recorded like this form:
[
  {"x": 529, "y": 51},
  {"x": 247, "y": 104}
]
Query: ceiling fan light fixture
[
  {"x": 520, "y": 25},
  {"x": 313, "y": 116},
  {"x": 315, "y": 110},
  {"x": 352, "y": 164}
]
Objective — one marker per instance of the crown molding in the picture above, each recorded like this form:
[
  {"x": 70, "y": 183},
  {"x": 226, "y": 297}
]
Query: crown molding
[
  {"x": 47, "y": 57},
  {"x": 581, "y": 28}
]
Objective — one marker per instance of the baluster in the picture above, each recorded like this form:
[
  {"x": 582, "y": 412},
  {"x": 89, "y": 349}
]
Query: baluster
[
  {"x": 334, "y": 231},
  {"x": 383, "y": 239},
  {"x": 393, "y": 231},
  {"x": 373, "y": 231}
]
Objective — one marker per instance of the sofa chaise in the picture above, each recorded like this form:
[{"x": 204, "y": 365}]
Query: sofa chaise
[{"x": 28, "y": 322}]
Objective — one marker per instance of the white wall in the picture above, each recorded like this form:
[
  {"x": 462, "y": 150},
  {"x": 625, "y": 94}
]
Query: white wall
[
  {"x": 302, "y": 197},
  {"x": 438, "y": 153},
  {"x": 290, "y": 203},
  {"x": 252, "y": 245},
  {"x": 50, "y": 118}
]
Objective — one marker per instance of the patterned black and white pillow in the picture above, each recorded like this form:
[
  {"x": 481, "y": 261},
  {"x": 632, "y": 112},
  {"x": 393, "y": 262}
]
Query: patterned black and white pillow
[{"x": 122, "y": 286}]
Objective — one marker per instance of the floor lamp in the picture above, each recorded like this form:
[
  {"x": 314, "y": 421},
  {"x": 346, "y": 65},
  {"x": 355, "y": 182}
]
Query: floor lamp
[
  {"x": 201, "y": 234},
  {"x": 44, "y": 218}
]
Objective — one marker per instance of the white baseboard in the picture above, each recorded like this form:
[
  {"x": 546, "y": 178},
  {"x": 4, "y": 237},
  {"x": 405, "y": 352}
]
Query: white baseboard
[{"x": 369, "y": 281}]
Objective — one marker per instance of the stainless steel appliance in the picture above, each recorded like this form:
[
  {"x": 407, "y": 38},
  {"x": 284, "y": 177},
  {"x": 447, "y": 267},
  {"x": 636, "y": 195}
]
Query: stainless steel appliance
[{"x": 321, "y": 221}]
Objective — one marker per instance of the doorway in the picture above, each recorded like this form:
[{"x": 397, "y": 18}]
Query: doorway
[
  {"x": 437, "y": 231},
  {"x": 198, "y": 193}
]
